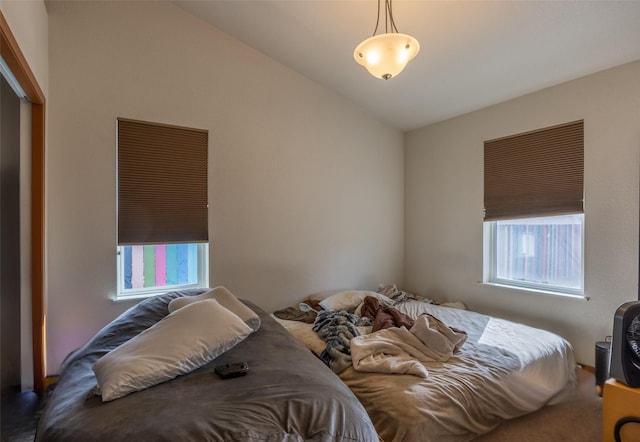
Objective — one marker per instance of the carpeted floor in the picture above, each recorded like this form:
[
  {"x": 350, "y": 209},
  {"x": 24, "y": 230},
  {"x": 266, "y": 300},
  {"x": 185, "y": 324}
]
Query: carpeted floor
[{"x": 577, "y": 419}]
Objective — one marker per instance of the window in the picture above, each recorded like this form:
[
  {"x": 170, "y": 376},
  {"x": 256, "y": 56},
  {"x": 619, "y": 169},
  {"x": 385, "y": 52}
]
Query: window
[
  {"x": 162, "y": 208},
  {"x": 153, "y": 268},
  {"x": 534, "y": 220},
  {"x": 543, "y": 253}
]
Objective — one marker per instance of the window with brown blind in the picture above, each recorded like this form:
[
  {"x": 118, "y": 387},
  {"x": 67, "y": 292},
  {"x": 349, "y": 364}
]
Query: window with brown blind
[
  {"x": 162, "y": 183},
  {"x": 534, "y": 204},
  {"x": 162, "y": 204},
  {"x": 536, "y": 173}
]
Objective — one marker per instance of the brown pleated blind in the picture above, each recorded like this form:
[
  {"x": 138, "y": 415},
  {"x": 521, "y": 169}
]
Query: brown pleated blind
[
  {"x": 162, "y": 183},
  {"x": 537, "y": 173}
]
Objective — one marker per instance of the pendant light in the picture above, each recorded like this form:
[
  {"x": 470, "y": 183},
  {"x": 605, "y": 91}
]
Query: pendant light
[{"x": 386, "y": 55}]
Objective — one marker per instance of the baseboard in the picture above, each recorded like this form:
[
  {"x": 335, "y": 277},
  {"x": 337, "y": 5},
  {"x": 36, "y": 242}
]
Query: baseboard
[
  {"x": 588, "y": 368},
  {"x": 50, "y": 380}
]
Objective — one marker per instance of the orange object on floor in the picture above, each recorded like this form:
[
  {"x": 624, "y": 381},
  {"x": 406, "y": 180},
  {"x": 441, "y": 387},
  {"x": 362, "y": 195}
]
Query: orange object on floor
[{"x": 620, "y": 401}]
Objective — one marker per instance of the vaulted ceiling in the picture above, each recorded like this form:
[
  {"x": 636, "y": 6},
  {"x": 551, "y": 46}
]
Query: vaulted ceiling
[{"x": 473, "y": 53}]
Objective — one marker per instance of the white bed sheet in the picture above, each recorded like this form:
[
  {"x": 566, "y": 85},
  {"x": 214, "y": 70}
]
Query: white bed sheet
[{"x": 503, "y": 371}]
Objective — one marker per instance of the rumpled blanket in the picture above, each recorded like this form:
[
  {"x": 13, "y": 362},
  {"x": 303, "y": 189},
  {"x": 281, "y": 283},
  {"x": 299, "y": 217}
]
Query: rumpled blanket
[
  {"x": 310, "y": 305},
  {"x": 401, "y": 351},
  {"x": 337, "y": 329},
  {"x": 383, "y": 316},
  {"x": 306, "y": 312},
  {"x": 295, "y": 314}
]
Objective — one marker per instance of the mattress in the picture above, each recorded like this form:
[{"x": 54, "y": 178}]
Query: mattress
[
  {"x": 288, "y": 394},
  {"x": 504, "y": 370}
]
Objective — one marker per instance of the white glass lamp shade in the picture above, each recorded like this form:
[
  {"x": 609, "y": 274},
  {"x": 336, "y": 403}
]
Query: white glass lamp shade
[{"x": 386, "y": 55}]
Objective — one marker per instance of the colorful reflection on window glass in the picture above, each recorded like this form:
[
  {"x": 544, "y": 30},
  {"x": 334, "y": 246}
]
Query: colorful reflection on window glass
[{"x": 159, "y": 265}]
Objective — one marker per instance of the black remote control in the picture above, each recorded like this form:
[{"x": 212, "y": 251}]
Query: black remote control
[{"x": 226, "y": 371}]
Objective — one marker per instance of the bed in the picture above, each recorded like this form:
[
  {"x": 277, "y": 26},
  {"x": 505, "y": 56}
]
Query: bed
[
  {"x": 287, "y": 395},
  {"x": 502, "y": 371}
]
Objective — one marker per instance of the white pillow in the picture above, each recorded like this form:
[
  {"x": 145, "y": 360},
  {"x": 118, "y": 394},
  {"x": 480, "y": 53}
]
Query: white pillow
[
  {"x": 349, "y": 300},
  {"x": 226, "y": 299},
  {"x": 319, "y": 296},
  {"x": 177, "y": 344}
]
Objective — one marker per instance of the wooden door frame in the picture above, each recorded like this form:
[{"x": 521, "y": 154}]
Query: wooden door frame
[{"x": 13, "y": 56}]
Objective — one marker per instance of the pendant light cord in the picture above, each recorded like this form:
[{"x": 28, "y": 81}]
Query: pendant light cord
[
  {"x": 388, "y": 18},
  {"x": 391, "y": 21},
  {"x": 377, "y": 20}
]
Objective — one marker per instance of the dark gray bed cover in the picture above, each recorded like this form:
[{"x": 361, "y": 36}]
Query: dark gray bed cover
[{"x": 288, "y": 395}]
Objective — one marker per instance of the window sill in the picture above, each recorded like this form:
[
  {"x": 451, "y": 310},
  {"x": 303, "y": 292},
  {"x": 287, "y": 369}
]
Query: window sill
[
  {"x": 537, "y": 291},
  {"x": 136, "y": 297},
  {"x": 143, "y": 294}
]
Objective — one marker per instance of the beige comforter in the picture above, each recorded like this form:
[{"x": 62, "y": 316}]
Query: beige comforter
[
  {"x": 503, "y": 370},
  {"x": 401, "y": 351}
]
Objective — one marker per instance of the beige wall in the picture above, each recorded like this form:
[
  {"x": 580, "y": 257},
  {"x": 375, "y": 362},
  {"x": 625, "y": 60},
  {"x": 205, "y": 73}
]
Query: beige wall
[
  {"x": 306, "y": 191},
  {"x": 29, "y": 25},
  {"x": 444, "y": 200}
]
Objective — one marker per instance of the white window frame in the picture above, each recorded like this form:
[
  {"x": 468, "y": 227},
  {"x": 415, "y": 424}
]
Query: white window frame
[
  {"x": 490, "y": 267},
  {"x": 129, "y": 294}
]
